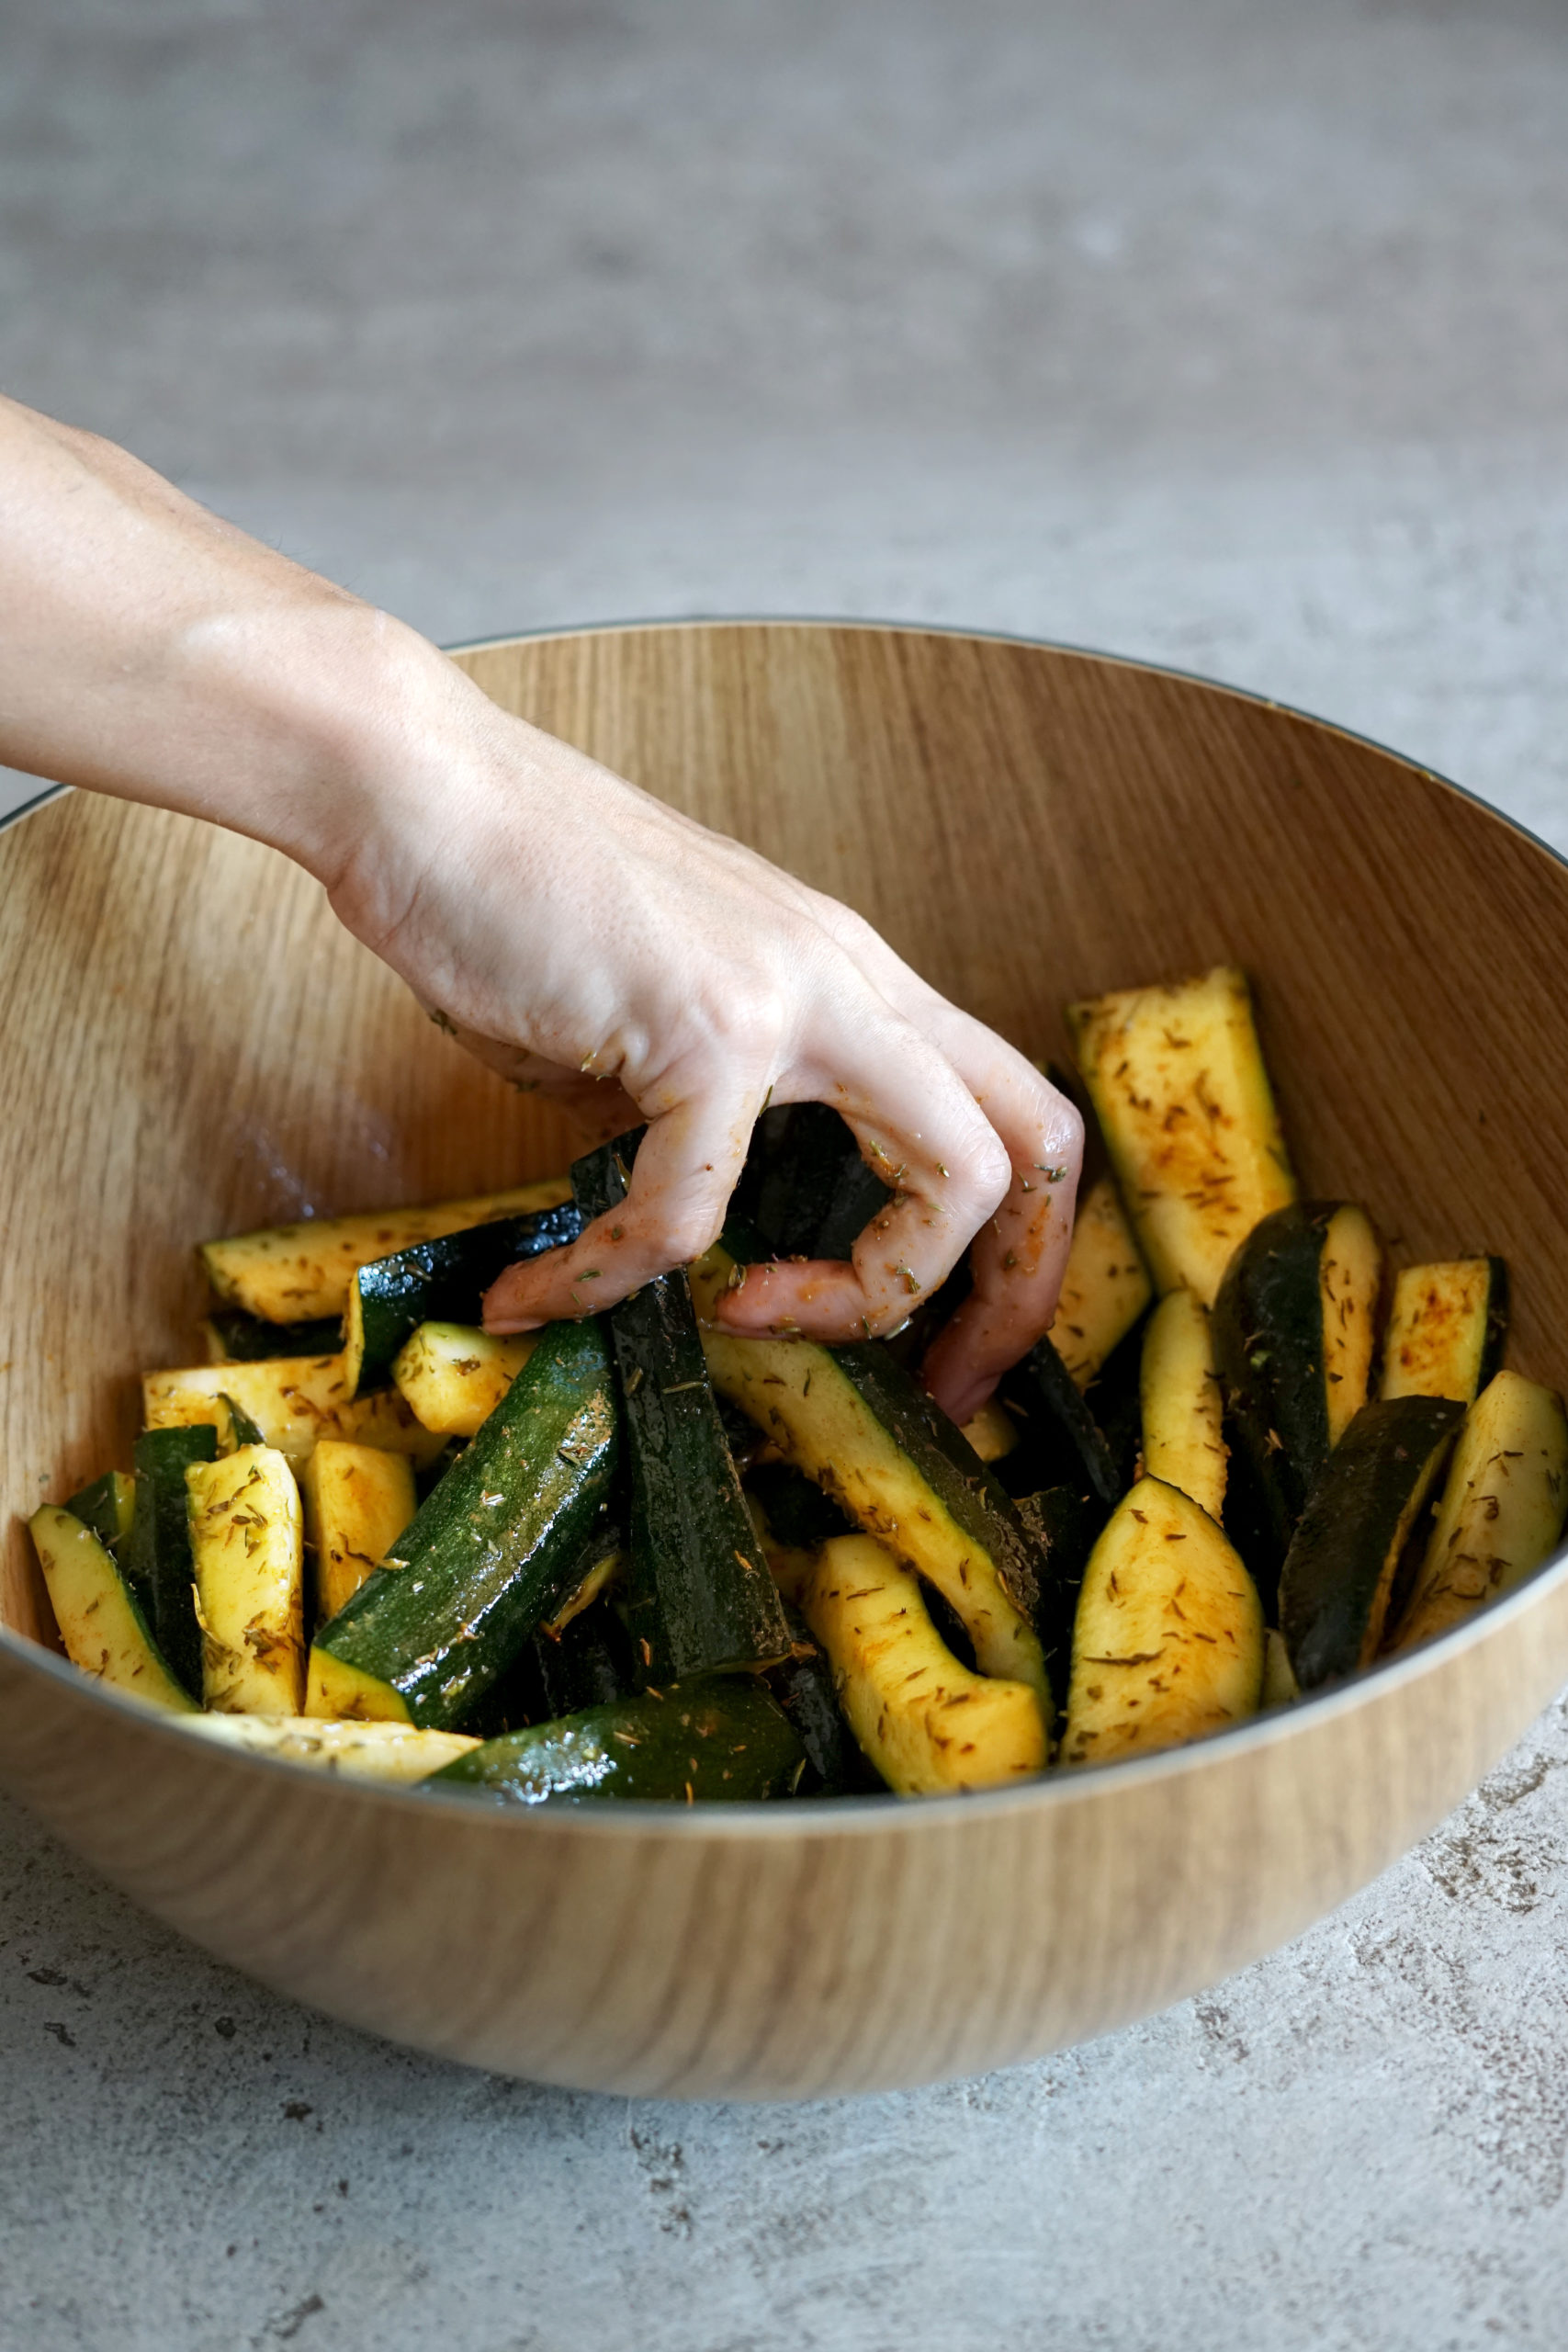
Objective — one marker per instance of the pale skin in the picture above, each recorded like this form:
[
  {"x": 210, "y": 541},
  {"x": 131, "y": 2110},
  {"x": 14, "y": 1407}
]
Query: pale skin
[{"x": 571, "y": 930}]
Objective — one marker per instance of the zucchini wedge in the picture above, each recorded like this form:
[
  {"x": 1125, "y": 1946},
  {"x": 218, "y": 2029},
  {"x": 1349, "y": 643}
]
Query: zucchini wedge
[
  {"x": 234, "y": 1337},
  {"x": 295, "y": 1273},
  {"x": 1446, "y": 1329},
  {"x": 859, "y": 1426},
  {"x": 390, "y": 1753},
  {"x": 1502, "y": 1510},
  {"x": 453, "y": 1375},
  {"x": 723, "y": 1740},
  {"x": 1106, "y": 1285},
  {"x": 1338, "y": 1576},
  {"x": 100, "y": 1619},
  {"x": 1183, "y": 1411},
  {"x": 492, "y": 1552},
  {"x": 1295, "y": 1329},
  {"x": 1176, "y": 1078},
  {"x": 248, "y": 1551},
  {"x": 235, "y": 1427},
  {"x": 357, "y": 1502},
  {"x": 293, "y": 1400},
  {"x": 700, "y": 1598},
  {"x": 804, "y": 1686},
  {"x": 107, "y": 1507},
  {"x": 993, "y": 1433},
  {"x": 1168, "y": 1645},
  {"x": 1281, "y": 1688},
  {"x": 927, "y": 1723},
  {"x": 437, "y": 1281},
  {"x": 1060, "y": 1442},
  {"x": 157, "y": 1560}
]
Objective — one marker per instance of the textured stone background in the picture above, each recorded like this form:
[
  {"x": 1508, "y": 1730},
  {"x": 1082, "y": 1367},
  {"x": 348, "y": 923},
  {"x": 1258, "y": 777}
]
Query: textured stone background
[{"x": 1221, "y": 331}]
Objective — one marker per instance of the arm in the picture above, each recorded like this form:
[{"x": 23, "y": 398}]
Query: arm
[{"x": 153, "y": 652}]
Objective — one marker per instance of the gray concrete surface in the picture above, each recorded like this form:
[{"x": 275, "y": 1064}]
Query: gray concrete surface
[{"x": 1220, "y": 331}]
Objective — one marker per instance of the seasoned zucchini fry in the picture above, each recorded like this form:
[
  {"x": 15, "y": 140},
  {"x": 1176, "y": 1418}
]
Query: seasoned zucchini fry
[
  {"x": 1106, "y": 1285},
  {"x": 357, "y": 1502},
  {"x": 1176, "y": 1078},
  {"x": 293, "y": 1400},
  {"x": 100, "y": 1617},
  {"x": 292, "y": 1273},
  {"x": 248, "y": 1549},
  {"x": 1446, "y": 1333},
  {"x": 1502, "y": 1509},
  {"x": 354, "y": 1751},
  {"x": 926, "y": 1723},
  {"x": 1183, "y": 1411},
  {"x": 452, "y": 1376},
  {"x": 1168, "y": 1645}
]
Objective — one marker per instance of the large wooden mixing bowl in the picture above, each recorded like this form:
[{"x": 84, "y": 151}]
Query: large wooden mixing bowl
[{"x": 192, "y": 1046}]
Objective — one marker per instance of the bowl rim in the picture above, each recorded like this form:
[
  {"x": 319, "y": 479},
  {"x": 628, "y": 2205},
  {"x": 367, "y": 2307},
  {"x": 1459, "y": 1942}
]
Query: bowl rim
[{"x": 878, "y": 1810}]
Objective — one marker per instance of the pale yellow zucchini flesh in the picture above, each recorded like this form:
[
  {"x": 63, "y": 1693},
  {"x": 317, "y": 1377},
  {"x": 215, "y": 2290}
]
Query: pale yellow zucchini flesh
[
  {"x": 1502, "y": 1509},
  {"x": 1437, "y": 1329},
  {"x": 1281, "y": 1688},
  {"x": 993, "y": 1433},
  {"x": 1167, "y": 1642},
  {"x": 1350, "y": 1283},
  {"x": 452, "y": 1376},
  {"x": 99, "y": 1615},
  {"x": 928, "y": 1725},
  {"x": 381, "y": 1751},
  {"x": 818, "y": 1419},
  {"x": 292, "y": 1273},
  {"x": 293, "y": 1400},
  {"x": 247, "y": 1550},
  {"x": 1183, "y": 1410},
  {"x": 357, "y": 1502},
  {"x": 1105, "y": 1288},
  {"x": 1176, "y": 1078}
]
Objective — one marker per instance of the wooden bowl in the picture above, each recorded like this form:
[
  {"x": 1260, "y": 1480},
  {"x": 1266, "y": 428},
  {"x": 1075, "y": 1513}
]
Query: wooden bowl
[{"x": 192, "y": 1046}]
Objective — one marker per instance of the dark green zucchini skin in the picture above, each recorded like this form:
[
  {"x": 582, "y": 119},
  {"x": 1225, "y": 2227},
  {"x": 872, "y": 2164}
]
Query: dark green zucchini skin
[
  {"x": 1499, "y": 1310},
  {"x": 1060, "y": 1443},
  {"x": 796, "y": 1511},
  {"x": 157, "y": 1555},
  {"x": 803, "y": 1685},
  {"x": 1114, "y": 1397},
  {"x": 1267, "y": 1328},
  {"x": 243, "y": 1429},
  {"x": 245, "y": 1338},
  {"x": 101, "y": 1507},
  {"x": 700, "y": 1599},
  {"x": 817, "y": 1194},
  {"x": 1339, "y": 1575},
  {"x": 496, "y": 1549},
  {"x": 444, "y": 1281},
  {"x": 723, "y": 1738},
  {"x": 1063, "y": 1522}
]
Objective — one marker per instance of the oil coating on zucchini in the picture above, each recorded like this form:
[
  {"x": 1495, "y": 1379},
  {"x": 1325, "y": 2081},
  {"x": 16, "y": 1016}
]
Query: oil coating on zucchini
[
  {"x": 927, "y": 1724},
  {"x": 858, "y": 1425},
  {"x": 1168, "y": 1645},
  {"x": 1105, "y": 1287},
  {"x": 1176, "y": 1078},
  {"x": 293, "y": 1400},
  {"x": 1502, "y": 1510},
  {"x": 357, "y": 1502},
  {"x": 1183, "y": 1411},
  {"x": 1446, "y": 1329},
  {"x": 453, "y": 1375},
  {"x": 247, "y": 1546},
  {"x": 99, "y": 1615},
  {"x": 725, "y": 1740},
  {"x": 293, "y": 1273}
]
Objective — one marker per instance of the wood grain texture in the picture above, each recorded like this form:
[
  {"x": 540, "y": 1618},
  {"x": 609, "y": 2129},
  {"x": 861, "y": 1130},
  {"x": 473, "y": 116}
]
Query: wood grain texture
[{"x": 192, "y": 1045}]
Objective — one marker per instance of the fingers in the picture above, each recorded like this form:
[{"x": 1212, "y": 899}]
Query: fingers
[
  {"x": 1019, "y": 1255},
  {"x": 920, "y": 1128},
  {"x": 685, "y": 1170}
]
